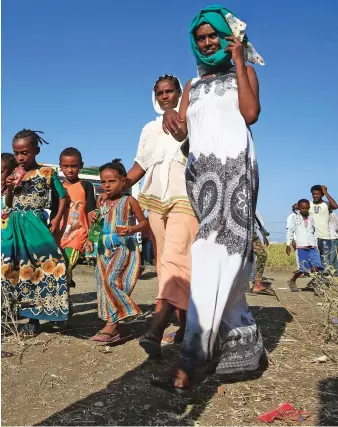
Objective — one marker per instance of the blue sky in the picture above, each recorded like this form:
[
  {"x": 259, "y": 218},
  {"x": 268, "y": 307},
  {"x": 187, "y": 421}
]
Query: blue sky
[{"x": 83, "y": 70}]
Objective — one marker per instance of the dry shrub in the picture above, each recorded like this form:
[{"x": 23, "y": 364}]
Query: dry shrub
[
  {"x": 326, "y": 287},
  {"x": 278, "y": 260},
  {"x": 9, "y": 318}
]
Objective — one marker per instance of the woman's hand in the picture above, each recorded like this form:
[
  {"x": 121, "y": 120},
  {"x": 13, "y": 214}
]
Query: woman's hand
[
  {"x": 236, "y": 49},
  {"x": 172, "y": 122},
  {"x": 101, "y": 199}
]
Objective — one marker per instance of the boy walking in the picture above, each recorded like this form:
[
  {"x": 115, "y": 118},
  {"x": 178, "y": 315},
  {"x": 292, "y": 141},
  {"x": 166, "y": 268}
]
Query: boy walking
[
  {"x": 80, "y": 211},
  {"x": 302, "y": 229}
]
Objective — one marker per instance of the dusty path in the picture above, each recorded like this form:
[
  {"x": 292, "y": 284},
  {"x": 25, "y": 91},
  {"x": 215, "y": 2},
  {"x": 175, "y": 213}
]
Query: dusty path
[{"x": 64, "y": 379}]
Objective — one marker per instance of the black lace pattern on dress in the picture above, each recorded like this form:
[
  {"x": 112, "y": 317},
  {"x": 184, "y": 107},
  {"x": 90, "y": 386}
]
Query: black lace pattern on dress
[
  {"x": 223, "y": 82},
  {"x": 223, "y": 197}
]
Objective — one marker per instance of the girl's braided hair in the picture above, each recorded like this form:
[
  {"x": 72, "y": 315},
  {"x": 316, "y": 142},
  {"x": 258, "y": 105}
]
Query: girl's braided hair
[
  {"x": 35, "y": 139},
  {"x": 170, "y": 77},
  {"x": 116, "y": 165}
]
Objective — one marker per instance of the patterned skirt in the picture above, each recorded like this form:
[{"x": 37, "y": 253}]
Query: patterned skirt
[
  {"x": 117, "y": 271},
  {"x": 33, "y": 270},
  {"x": 223, "y": 194}
]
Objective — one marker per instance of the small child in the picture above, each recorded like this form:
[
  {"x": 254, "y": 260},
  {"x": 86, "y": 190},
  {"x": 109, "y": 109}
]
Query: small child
[
  {"x": 33, "y": 269},
  {"x": 72, "y": 235},
  {"x": 118, "y": 259},
  {"x": 301, "y": 228}
]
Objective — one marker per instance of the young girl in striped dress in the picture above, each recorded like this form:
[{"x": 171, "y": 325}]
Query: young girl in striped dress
[{"x": 118, "y": 259}]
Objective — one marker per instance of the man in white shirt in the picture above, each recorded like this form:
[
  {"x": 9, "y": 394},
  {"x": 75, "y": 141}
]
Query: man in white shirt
[
  {"x": 302, "y": 230},
  {"x": 320, "y": 210}
]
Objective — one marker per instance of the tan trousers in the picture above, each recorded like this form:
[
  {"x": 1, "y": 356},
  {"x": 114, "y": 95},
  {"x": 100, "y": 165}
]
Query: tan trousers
[{"x": 174, "y": 236}]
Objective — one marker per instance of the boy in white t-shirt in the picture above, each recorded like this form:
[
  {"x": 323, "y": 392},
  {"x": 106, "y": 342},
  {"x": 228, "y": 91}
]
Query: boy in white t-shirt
[{"x": 320, "y": 211}]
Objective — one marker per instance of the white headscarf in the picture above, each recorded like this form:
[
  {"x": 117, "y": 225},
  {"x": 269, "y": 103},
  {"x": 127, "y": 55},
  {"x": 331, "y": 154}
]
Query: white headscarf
[{"x": 156, "y": 105}]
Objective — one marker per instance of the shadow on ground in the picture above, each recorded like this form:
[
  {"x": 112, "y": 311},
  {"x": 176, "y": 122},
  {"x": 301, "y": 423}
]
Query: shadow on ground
[
  {"x": 131, "y": 400},
  {"x": 148, "y": 275},
  {"x": 328, "y": 398},
  {"x": 85, "y": 324}
]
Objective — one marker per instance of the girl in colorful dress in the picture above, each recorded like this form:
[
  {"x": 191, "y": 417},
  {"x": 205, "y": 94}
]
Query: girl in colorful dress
[
  {"x": 32, "y": 266},
  {"x": 118, "y": 259}
]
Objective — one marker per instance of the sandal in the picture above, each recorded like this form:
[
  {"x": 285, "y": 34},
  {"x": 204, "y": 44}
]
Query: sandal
[
  {"x": 151, "y": 345},
  {"x": 5, "y": 354},
  {"x": 30, "y": 330},
  {"x": 100, "y": 337},
  {"x": 167, "y": 382},
  {"x": 265, "y": 291},
  {"x": 171, "y": 338}
]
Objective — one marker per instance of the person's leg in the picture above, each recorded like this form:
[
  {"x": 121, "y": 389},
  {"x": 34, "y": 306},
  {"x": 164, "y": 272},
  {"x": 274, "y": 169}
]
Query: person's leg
[
  {"x": 151, "y": 342},
  {"x": 304, "y": 267},
  {"x": 335, "y": 247},
  {"x": 324, "y": 247},
  {"x": 253, "y": 272},
  {"x": 227, "y": 277},
  {"x": 157, "y": 225},
  {"x": 148, "y": 251},
  {"x": 261, "y": 257},
  {"x": 174, "y": 287},
  {"x": 114, "y": 301},
  {"x": 334, "y": 256},
  {"x": 174, "y": 282},
  {"x": 72, "y": 258},
  {"x": 240, "y": 341}
]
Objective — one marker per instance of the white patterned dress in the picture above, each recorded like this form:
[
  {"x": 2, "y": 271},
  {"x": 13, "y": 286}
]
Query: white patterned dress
[{"x": 222, "y": 185}]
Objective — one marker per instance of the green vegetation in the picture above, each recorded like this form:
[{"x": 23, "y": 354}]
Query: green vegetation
[{"x": 278, "y": 260}]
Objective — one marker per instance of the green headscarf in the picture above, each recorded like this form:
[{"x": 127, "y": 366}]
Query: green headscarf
[
  {"x": 214, "y": 16},
  {"x": 225, "y": 24}
]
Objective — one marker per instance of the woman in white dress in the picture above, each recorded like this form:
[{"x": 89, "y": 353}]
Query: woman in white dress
[{"x": 216, "y": 111}]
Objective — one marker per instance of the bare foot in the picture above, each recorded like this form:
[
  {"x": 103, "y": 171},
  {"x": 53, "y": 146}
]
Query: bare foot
[
  {"x": 258, "y": 286},
  {"x": 110, "y": 330}
]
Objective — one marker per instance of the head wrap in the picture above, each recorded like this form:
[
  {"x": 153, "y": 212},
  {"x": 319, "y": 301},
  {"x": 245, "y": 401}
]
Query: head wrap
[
  {"x": 225, "y": 24},
  {"x": 156, "y": 105}
]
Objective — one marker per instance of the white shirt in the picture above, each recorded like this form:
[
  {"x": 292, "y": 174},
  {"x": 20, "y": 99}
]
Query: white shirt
[
  {"x": 321, "y": 215},
  {"x": 333, "y": 225},
  {"x": 289, "y": 220},
  {"x": 303, "y": 233}
]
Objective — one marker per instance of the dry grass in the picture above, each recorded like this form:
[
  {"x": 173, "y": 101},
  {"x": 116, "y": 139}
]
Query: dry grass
[
  {"x": 9, "y": 320},
  {"x": 74, "y": 382},
  {"x": 278, "y": 260},
  {"x": 327, "y": 289}
]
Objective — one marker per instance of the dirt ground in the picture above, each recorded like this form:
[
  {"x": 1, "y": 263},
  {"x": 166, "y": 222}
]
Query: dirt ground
[{"x": 65, "y": 379}]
